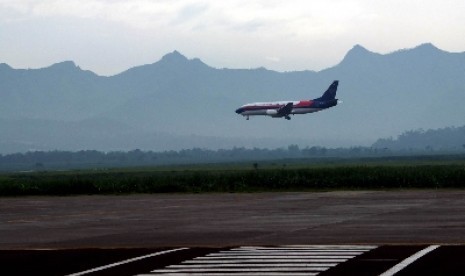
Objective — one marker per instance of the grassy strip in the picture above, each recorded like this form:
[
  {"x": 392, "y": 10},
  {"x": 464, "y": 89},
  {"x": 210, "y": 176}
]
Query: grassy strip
[{"x": 239, "y": 180}]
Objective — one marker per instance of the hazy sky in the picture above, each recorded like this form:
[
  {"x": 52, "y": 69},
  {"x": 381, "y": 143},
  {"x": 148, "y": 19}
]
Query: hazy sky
[{"x": 109, "y": 36}]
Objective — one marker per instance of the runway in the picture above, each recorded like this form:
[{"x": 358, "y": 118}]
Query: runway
[
  {"x": 291, "y": 260},
  {"x": 224, "y": 220},
  {"x": 326, "y": 233}
]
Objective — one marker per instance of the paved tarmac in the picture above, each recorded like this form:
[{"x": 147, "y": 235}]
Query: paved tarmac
[
  {"x": 219, "y": 220},
  {"x": 321, "y": 260}
]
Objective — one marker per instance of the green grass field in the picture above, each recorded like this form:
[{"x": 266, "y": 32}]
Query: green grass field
[{"x": 280, "y": 175}]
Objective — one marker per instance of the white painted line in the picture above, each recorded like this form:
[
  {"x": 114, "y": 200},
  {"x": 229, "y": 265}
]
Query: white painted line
[
  {"x": 238, "y": 274},
  {"x": 282, "y": 256},
  {"x": 216, "y": 265},
  {"x": 259, "y": 260},
  {"x": 255, "y": 253},
  {"x": 126, "y": 261},
  {"x": 398, "y": 267},
  {"x": 298, "y": 250},
  {"x": 288, "y": 255},
  {"x": 303, "y": 247},
  {"x": 224, "y": 270}
]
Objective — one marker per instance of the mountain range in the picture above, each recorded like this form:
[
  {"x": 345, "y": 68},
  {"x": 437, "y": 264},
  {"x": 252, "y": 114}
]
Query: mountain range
[{"x": 178, "y": 103}]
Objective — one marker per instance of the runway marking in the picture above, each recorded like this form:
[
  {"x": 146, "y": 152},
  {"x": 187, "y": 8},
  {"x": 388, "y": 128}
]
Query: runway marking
[
  {"x": 262, "y": 260},
  {"x": 240, "y": 274},
  {"x": 292, "y": 253},
  {"x": 256, "y": 265},
  {"x": 398, "y": 267},
  {"x": 126, "y": 261},
  {"x": 238, "y": 261},
  {"x": 278, "y": 257}
]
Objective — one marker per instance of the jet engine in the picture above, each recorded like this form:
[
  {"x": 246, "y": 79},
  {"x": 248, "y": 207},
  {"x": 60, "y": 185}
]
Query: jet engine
[{"x": 271, "y": 112}]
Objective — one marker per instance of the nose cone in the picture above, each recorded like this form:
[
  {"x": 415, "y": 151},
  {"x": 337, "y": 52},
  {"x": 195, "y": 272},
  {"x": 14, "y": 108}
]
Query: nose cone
[{"x": 239, "y": 110}]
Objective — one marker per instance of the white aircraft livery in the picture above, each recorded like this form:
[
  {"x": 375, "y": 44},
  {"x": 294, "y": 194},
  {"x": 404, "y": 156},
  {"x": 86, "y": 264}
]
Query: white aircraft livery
[{"x": 282, "y": 109}]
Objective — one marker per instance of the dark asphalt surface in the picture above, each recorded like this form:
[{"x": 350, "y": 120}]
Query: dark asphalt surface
[
  {"x": 63, "y": 235},
  {"x": 218, "y": 220},
  {"x": 446, "y": 260}
]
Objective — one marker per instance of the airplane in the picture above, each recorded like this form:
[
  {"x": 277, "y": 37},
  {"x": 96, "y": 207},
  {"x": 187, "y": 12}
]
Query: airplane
[{"x": 282, "y": 109}]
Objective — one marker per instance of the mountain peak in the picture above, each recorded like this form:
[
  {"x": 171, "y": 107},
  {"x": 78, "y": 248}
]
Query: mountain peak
[
  {"x": 356, "y": 53},
  {"x": 174, "y": 56},
  {"x": 427, "y": 47},
  {"x": 358, "y": 50},
  {"x": 4, "y": 66},
  {"x": 64, "y": 65},
  {"x": 174, "y": 61}
]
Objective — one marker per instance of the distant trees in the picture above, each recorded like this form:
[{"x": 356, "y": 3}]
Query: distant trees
[
  {"x": 449, "y": 139},
  {"x": 413, "y": 142}
]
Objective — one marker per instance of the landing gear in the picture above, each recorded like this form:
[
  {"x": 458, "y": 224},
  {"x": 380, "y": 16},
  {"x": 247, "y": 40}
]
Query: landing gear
[
  {"x": 287, "y": 117},
  {"x": 247, "y": 118}
]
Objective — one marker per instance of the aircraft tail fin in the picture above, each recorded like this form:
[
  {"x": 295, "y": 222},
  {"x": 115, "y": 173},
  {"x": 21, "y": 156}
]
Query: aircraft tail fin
[{"x": 330, "y": 93}]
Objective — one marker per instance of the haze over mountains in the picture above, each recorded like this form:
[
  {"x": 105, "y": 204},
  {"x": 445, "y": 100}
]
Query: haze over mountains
[{"x": 180, "y": 103}]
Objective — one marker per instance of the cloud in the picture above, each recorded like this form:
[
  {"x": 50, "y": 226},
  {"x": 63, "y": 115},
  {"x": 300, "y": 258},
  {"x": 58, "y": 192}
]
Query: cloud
[
  {"x": 238, "y": 33},
  {"x": 136, "y": 13},
  {"x": 191, "y": 11},
  {"x": 299, "y": 16},
  {"x": 273, "y": 59}
]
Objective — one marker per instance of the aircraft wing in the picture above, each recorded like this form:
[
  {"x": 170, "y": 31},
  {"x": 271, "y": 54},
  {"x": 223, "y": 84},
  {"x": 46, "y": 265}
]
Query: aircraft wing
[{"x": 285, "y": 110}]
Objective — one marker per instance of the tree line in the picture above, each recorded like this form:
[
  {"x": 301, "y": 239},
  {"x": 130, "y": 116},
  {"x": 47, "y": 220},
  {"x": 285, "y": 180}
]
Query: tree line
[{"x": 43, "y": 160}]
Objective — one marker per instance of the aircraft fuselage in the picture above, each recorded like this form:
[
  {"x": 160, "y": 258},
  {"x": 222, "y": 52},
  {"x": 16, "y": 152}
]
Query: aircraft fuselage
[{"x": 280, "y": 109}]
